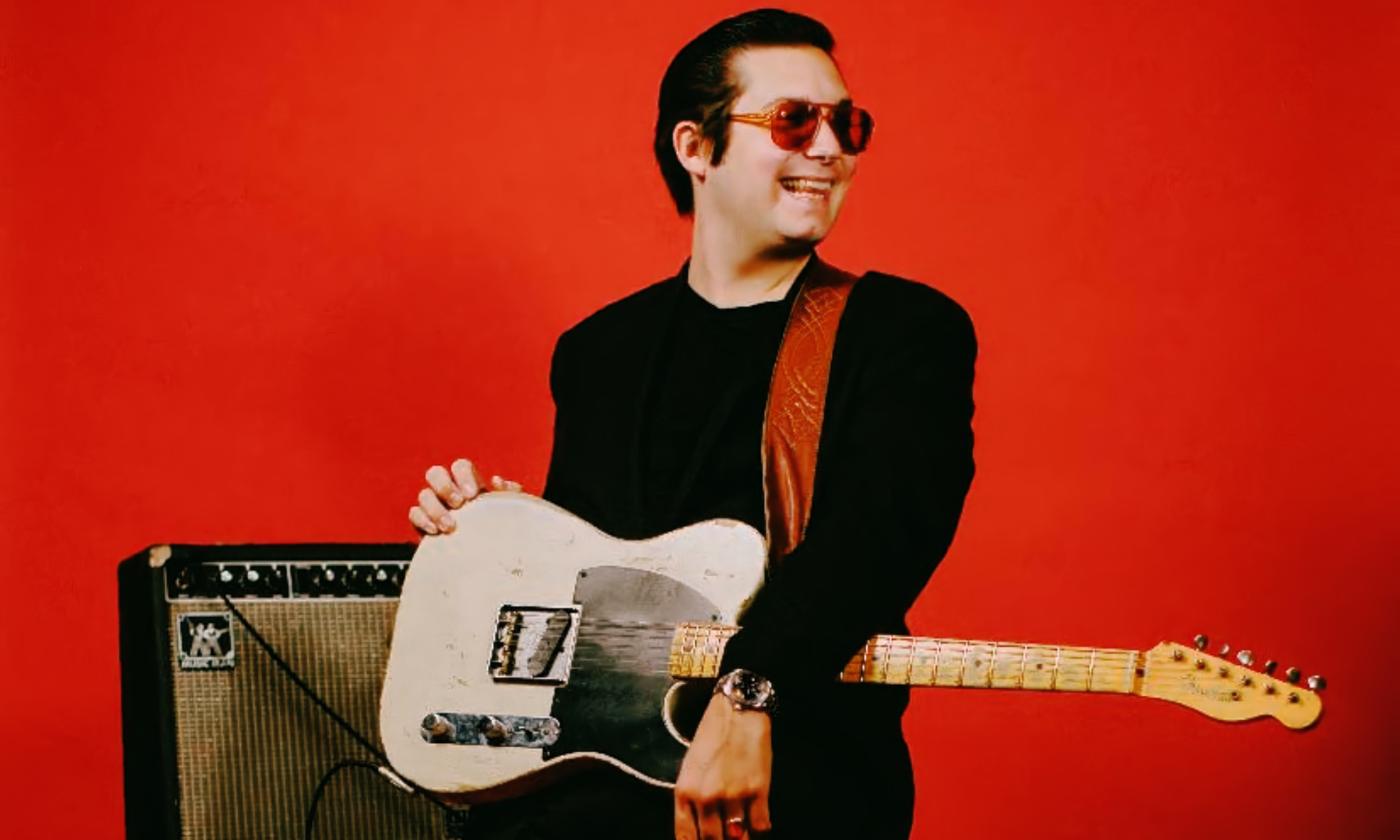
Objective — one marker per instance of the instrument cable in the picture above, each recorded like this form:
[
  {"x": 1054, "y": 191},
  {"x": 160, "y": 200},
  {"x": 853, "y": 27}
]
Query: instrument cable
[
  {"x": 310, "y": 828},
  {"x": 384, "y": 768}
]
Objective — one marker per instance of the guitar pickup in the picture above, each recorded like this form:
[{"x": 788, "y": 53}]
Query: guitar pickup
[{"x": 534, "y": 644}]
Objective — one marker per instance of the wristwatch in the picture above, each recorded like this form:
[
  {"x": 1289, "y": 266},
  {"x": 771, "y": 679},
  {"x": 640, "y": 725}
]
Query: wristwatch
[{"x": 747, "y": 691}]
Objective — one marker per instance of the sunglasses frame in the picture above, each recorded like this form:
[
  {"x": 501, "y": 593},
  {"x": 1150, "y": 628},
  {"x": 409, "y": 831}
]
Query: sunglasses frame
[{"x": 825, "y": 111}]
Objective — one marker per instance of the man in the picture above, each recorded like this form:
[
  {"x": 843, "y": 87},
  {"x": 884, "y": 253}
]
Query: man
[{"x": 659, "y": 411}]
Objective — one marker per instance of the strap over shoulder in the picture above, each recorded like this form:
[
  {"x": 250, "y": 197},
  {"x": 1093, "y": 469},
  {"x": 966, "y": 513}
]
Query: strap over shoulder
[{"x": 792, "y": 424}]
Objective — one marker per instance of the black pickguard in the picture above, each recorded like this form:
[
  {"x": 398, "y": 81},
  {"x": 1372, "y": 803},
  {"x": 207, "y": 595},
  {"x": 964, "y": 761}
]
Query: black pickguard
[{"x": 613, "y": 701}]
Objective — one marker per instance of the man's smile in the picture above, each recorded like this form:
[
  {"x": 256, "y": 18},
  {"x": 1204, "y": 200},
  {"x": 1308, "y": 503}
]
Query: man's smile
[{"x": 810, "y": 189}]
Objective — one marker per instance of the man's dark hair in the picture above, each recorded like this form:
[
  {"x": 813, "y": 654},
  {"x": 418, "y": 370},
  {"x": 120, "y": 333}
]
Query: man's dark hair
[{"x": 699, "y": 86}]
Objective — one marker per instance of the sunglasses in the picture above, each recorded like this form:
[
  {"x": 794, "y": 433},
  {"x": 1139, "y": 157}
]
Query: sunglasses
[{"x": 794, "y": 122}]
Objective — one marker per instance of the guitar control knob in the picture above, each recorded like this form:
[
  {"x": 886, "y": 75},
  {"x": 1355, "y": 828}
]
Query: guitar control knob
[
  {"x": 438, "y": 729},
  {"x": 1245, "y": 657},
  {"x": 1201, "y": 641},
  {"x": 1292, "y": 675},
  {"x": 1316, "y": 682},
  {"x": 1270, "y": 667},
  {"x": 495, "y": 730}
]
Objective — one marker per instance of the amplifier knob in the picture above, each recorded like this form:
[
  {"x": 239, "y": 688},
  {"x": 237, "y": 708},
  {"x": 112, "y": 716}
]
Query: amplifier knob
[{"x": 361, "y": 580}]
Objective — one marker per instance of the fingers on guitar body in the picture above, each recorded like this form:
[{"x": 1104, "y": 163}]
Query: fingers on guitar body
[
  {"x": 448, "y": 489},
  {"x": 420, "y": 520}
]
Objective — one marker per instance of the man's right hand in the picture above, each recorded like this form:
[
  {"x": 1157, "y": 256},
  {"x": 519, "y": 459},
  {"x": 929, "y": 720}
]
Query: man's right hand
[{"x": 447, "y": 490}]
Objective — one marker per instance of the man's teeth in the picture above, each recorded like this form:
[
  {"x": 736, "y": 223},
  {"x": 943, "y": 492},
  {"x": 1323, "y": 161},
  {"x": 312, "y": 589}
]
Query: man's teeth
[{"x": 807, "y": 185}]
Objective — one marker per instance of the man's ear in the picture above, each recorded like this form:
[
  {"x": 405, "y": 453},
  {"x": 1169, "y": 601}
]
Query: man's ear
[{"x": 692, "y": 149}]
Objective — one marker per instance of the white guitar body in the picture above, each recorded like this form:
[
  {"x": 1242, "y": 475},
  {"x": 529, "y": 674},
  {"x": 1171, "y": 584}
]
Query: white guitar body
[{"x": 527, "y": 625}]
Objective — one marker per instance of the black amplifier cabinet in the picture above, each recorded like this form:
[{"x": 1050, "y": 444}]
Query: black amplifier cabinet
[{"x": 218, "y": 743}]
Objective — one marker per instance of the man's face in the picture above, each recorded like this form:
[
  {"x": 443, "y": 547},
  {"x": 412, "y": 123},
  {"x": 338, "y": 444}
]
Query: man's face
[{"x": 754, "y": 188}]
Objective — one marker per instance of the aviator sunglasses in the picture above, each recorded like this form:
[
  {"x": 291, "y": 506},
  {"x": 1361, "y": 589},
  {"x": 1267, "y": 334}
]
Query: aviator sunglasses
[{"x": 794, "y": 122}]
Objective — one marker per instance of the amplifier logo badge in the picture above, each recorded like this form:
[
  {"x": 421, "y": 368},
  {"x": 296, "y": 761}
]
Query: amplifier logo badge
[{"x": 205, "y": 642}]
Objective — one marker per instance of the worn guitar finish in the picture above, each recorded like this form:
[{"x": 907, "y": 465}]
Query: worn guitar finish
[
  {"x": 460, "y": 648},
  {"x": 528, "y": 643}
]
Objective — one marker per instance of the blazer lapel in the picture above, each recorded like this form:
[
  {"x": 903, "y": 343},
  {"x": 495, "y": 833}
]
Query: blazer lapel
[{"x": 649, "y": 339}]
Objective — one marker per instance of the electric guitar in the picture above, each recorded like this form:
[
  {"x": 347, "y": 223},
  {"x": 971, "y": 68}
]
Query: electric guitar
[{"x": 528, "y": 643}]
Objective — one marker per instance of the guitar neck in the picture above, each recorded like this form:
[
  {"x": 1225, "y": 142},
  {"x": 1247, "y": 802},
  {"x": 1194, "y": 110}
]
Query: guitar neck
[{"x": 696, "y": 649}]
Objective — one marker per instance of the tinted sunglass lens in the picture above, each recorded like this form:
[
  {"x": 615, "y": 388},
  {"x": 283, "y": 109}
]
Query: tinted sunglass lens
[
  {"x": 852, "y": 126},
  {"x": 841, "y": 125},
  {"x": 794, "y": 124}
]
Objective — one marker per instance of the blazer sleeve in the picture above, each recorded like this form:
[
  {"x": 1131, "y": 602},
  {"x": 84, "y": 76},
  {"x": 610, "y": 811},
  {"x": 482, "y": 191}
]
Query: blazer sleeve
[
  {"x": 892, "y": 474},
  {"x": 561, "y": 482}
]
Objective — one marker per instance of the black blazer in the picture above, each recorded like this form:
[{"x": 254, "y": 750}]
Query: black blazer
[{"x": 894, "y": 466}]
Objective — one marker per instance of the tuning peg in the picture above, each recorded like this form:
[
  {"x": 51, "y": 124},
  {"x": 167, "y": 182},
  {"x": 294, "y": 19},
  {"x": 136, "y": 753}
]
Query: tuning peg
[
  {"x": 1201, "y": 641},
  {"x": 1246, "y": 657},
  {"x": 1224, "y": 649},
  {"x": 1316, "y": 682},
  {"x": 1292, "y": 675},
  {"x": 1270, "y": 667}
]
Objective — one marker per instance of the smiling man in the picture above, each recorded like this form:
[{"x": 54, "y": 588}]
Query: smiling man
[{"x": 660, "y": 410}]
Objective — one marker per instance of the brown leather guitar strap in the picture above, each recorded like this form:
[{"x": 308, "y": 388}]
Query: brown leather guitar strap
[{"x": 792, "y": 424}]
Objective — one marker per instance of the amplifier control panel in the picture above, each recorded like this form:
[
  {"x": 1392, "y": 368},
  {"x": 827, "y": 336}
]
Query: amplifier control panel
[{"x": 289, "y": 581}]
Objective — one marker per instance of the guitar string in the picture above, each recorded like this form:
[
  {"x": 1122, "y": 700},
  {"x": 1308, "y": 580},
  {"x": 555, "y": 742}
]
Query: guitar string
[
  {"x": 923, "y": 659},
  {"x": 1109, "y": 677},
  {"x": 931, "y": 673},
  {"x": 702, "y": 630},
  {"x": 899, "y": 648},
  {"x": 1163, "y": 680},
  {"x": 910, "y": 661},
  {"x": 890, "y": 644},
  {"x": 915, "y": 658}
]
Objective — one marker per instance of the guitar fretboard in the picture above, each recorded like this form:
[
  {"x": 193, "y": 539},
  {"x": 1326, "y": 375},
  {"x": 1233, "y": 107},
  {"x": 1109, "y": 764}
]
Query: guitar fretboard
[{"x": 696, "y": 650}]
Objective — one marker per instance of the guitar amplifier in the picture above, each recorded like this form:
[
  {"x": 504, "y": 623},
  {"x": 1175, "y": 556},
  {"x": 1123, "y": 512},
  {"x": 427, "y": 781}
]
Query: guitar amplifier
[{"x": 219, "y": 743}]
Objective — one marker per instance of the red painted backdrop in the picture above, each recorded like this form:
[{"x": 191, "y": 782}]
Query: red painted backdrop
[{"x": 264, "y": 263}]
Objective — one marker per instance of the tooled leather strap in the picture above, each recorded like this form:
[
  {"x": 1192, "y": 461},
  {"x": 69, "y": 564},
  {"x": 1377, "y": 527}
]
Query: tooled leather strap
[{"x": 792, "y": 424}]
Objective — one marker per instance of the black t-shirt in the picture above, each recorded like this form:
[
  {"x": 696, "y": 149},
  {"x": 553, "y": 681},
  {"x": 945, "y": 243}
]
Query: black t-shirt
[{"x": 710, "y": 395}]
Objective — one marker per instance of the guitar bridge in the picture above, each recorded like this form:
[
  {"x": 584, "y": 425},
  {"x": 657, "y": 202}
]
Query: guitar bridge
[{"x": 534, "y": 644}]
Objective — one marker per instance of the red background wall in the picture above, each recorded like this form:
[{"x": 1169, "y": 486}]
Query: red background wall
[{"x": 264, "y": 263}]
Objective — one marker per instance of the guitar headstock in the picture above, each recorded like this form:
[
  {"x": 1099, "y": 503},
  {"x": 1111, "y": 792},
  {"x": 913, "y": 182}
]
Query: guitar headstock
[{"x": 1225, "y": 690}]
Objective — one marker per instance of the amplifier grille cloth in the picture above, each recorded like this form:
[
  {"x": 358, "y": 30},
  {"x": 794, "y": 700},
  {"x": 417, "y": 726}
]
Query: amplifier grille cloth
[{"x": 251, "y": 746}]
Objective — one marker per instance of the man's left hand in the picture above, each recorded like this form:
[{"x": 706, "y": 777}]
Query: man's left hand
[{"x": 722, "y": 790}]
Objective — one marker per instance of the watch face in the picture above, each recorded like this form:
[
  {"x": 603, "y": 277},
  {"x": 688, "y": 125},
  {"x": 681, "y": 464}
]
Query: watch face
[
  {"x": 749, "y": 688},
  {"x": 753, "y": 688}
]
